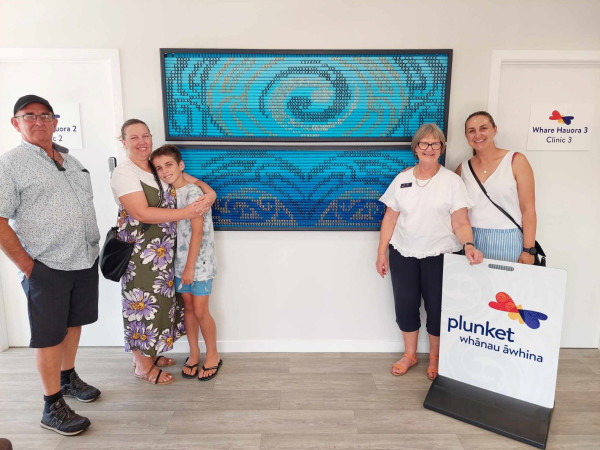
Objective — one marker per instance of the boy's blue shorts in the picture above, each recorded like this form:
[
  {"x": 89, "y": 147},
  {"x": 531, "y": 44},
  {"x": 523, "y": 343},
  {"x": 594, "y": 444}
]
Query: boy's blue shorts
[{"x": 196, "y": 288}]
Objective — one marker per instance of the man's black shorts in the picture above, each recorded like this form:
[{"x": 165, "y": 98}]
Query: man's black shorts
[{"x": 59, "y": 299}]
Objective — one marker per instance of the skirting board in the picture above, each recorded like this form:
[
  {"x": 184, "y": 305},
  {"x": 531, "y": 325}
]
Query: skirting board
[
  {"x": 501, "y": 414},
  {"x": 312, "y": 346}
]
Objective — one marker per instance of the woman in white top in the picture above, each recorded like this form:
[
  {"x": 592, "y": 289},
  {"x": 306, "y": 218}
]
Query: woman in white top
[
  {"x": 508, "y": 180},
  {"x": 152, "y": 313},
  {"x": 426, "y": 216}
]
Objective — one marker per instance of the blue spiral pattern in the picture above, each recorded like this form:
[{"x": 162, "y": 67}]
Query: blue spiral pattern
[
  {"x": 245, "y": 95},
  {"x": 295, "y": 188}
]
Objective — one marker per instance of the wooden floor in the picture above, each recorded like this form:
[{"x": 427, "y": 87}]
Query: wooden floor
[{"x": 279, "y": 401}]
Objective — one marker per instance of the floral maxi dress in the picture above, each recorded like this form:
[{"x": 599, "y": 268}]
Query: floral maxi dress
[{"x": 152, "y": 311}]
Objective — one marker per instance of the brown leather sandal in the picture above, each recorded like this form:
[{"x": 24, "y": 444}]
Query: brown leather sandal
[
  {"x": 432, "y": 372},
  {"x": 154, "y": 379},
  {"x": 401, "y": 370}
]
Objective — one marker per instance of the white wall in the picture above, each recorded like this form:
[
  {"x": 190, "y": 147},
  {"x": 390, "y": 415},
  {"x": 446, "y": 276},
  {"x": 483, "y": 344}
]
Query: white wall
[
  {"x": 525, "y": 78},
  {"x": 305, "y": 290},
  {"x": 65, "y": 76}
]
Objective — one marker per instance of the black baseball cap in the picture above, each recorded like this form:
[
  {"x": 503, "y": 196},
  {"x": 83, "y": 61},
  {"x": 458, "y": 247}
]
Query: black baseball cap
[{"x": 27, "y": 99}]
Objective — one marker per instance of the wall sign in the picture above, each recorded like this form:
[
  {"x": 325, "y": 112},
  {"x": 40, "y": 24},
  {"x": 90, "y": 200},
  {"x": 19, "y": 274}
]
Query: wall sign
[
  {"x": 501, "y": 328},
  {"x": 560, "y": 126},
  {"x": 68, "y": 130}
]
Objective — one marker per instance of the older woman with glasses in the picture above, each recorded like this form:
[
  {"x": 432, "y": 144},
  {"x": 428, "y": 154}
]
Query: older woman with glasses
[{"x": 426, "y": 216}]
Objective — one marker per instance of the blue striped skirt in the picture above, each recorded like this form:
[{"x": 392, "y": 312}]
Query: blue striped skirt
[{"x": 503, "y": 245}]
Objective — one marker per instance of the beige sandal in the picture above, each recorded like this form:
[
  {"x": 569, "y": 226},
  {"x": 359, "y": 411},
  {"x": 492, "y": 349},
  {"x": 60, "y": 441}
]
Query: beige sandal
[
  {"x": 401, "y": 370},
  {"x": 167, "y": 361},
  {"x": 154, "y": 379},
  {"x": 432, "y": 372}
]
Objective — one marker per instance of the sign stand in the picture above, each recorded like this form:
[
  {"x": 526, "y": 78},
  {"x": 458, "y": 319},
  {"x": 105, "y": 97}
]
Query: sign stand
[
  {"x": 499, "y": 346},
  {"x": 516, "y": 419}
]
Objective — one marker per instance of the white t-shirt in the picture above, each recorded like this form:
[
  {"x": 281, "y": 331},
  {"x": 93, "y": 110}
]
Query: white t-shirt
[
  {"x": 126, "y": 179},
  {"x": 424, "y": 226}
]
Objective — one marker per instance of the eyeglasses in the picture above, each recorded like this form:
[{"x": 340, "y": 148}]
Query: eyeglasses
[
  {"x": 434, "y": 145},
  {"x": 45, "y": 117}
]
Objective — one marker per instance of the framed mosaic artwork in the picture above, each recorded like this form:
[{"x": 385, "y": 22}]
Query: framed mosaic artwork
[
  {"x": 279, "y": 187},
  {"x": 303, "y": 95},
  {"x": 289, "y": 103}
]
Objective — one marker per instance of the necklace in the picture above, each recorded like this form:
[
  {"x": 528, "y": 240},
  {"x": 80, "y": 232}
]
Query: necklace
[
  {"x": 427, "y": 181},
  {"x": 489, "y": 163},
  {"x": 422, "y": 185}
]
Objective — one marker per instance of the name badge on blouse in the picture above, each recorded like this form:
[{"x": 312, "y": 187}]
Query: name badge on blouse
[{"x": 405, "y": 185}]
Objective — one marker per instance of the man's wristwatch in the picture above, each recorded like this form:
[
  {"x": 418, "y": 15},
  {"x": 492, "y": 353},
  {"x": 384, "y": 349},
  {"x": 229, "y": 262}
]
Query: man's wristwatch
[
  {"x": 530, "y": 250},
  {"x": 468, "y": 243}
]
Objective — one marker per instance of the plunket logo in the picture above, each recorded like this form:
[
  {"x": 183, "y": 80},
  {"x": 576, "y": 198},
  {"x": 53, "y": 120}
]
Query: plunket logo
[
  {"x": 561, "y": 119},
  {"x": 525, "y": 316}
]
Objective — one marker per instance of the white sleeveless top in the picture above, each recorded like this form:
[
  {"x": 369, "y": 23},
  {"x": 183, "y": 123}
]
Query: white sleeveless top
[{"x": 501, "y": 186}]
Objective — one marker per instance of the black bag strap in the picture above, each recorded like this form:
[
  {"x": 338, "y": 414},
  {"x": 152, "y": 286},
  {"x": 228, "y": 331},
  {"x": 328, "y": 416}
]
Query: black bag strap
[
  {"x": 502, "y": 210},
  {"x": 161, "y": 194},
  {"x": 493, "y": 202},
  {"x": 160, "y": 187},
  {"x": 159, "y": 183}
]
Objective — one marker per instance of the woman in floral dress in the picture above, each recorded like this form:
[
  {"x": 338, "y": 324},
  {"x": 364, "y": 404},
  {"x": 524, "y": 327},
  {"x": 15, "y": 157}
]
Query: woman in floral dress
[{"x": 152, "y": 313}]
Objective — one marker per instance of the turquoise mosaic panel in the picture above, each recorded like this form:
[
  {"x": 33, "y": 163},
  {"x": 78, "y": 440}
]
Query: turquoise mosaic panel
[
  {"x": 303, "y": 95},
  {"x": 296, "y": 188}
]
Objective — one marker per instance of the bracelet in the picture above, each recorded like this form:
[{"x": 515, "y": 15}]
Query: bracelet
[{"x": 468, "y": 243}]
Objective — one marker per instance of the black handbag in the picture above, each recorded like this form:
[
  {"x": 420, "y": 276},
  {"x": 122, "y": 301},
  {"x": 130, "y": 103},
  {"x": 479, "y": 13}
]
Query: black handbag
[
  {"x": 540, "y": 256},
  {"x": 115, "y": 253},
  {"x": 114, "y": 256}
]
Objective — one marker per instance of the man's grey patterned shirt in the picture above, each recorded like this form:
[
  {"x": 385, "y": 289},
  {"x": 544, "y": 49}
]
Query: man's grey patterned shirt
[{"x": 51, "y": 211}]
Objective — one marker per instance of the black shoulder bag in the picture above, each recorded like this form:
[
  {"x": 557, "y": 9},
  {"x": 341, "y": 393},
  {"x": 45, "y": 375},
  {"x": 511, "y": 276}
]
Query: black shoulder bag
[
  {"x": 540, "y": 256},
  {"x": 115, "y": 253}
]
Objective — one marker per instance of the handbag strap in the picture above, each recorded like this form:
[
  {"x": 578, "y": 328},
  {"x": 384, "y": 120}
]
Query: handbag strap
[
  {"x": 493, "y": 202},
  {"x": 161, "y": 194},
  {"x": 540, "y": 251},
  {"x": 159, "y": 183}
]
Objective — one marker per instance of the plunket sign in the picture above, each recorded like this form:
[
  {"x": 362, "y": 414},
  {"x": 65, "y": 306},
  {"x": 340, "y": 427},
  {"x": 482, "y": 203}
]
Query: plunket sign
[{"x": 502, "y": 327}]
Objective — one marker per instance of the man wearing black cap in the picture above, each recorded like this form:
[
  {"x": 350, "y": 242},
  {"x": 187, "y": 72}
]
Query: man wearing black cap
[{"x": 48, "y": 229}]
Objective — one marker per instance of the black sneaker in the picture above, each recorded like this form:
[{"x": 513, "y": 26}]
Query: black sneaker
[
  {"x": 62, "y": 419},
  {"x": 79, "y": 389}
]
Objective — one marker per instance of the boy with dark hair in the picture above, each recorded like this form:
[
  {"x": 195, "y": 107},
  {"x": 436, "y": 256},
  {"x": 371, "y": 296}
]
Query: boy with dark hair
[{"x": 195, "y": 266}]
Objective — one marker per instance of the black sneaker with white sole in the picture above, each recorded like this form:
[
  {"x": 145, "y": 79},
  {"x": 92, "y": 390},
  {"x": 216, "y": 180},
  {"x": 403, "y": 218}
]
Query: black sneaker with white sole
[
  {"x": 62, "y": 419},
  {"x": 79, "y": 389}
]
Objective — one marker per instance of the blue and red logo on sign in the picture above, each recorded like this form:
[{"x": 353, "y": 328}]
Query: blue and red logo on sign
[
  {"x": 561, "y": 119},
  {"x": 516, "y": 312}
]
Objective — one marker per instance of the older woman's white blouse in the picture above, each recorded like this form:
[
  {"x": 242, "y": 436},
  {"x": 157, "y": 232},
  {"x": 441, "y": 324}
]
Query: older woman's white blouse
[{"x": 424, "y": 226}]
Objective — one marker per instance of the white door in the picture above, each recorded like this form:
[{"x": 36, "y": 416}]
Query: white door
[
  {"x": 91, "y": 79},
  {"x": 567, "y": 182}
]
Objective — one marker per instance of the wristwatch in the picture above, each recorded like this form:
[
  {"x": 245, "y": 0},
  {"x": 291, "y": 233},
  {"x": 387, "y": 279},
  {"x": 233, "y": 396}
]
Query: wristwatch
[
  {"x": 530, "y": 250},
  {"x": 468, "y": 243}
]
